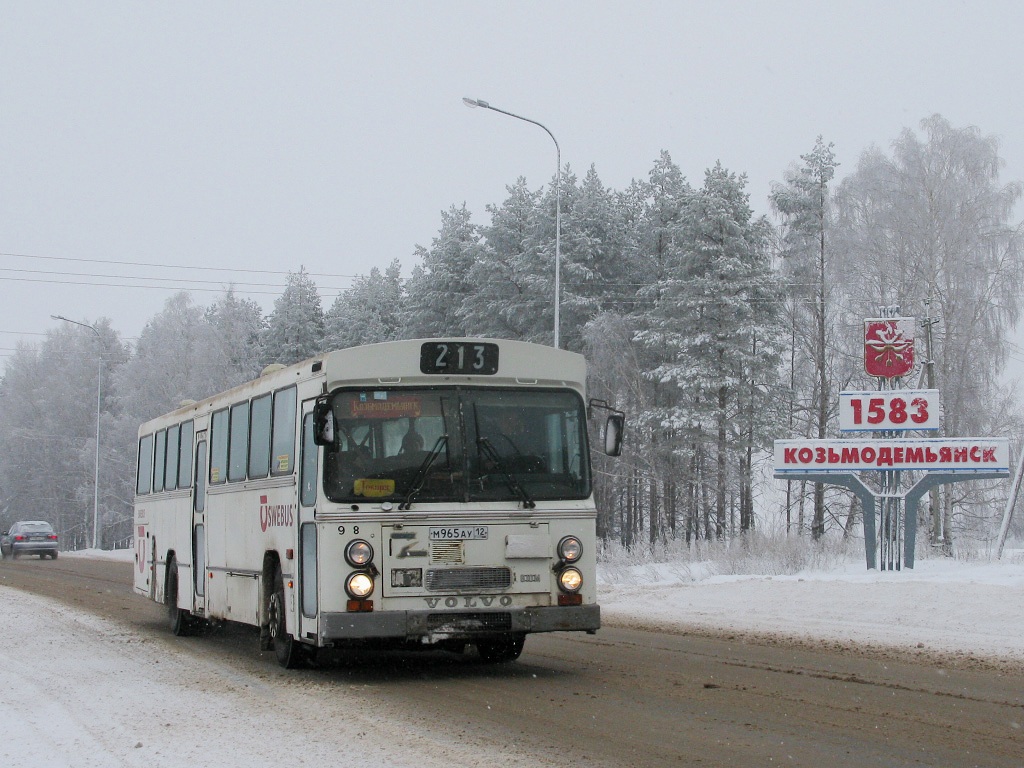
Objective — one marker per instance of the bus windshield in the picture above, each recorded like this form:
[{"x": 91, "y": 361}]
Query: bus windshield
[{"x": 436, "y": 445}]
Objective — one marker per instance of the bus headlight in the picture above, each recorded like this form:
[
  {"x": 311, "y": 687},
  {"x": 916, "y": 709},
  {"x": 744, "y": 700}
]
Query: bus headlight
[
  {"x": 570, "y": 580},
  {"x": 359, "y": 585},
  {"x": 570, "y": 549},
  {"x": 358, "y": 553}
]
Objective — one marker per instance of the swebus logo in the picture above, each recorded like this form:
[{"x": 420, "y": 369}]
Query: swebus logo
[{"x": 275, "y": 515}]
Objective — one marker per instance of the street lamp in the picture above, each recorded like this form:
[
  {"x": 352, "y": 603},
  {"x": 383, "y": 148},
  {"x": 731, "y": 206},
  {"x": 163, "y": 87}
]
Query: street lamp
[
  {"x": 558, "y": 202},
  {"x": 96, "y": 472}
]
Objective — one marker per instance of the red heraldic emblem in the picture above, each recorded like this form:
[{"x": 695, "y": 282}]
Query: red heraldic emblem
[{"x": 889, "y": 346}]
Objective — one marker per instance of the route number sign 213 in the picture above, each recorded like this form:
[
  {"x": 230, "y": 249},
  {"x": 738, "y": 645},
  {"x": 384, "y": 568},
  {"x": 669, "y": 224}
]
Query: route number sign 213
[{"x": 895, "y": 410}]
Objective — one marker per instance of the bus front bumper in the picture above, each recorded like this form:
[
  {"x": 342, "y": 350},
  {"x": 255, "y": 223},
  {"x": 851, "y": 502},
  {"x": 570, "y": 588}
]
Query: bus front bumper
[{"x": 430, "y": 625}]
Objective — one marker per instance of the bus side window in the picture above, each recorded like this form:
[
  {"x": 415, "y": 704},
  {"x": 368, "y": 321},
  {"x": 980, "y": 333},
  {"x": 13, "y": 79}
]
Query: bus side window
[
  {"x": 171, "y": 473},
  {"x": 219, "y": 448},
  {"x": 282, "y": 446},
  {"x": 259, "y": 437},
  {"x": 144, "y": 483},
  {"x": 238, "y": 443},
  {"x": 185, "y": 455},
  {"x": 158, "y": 462}
]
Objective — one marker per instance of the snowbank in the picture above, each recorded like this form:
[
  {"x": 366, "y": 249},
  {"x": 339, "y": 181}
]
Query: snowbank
[{"x": 944, "y": 606}]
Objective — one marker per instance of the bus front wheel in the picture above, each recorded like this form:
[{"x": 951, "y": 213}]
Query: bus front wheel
[
  {"x": 286, "y": 649},
  {"x": 501, "y": 650}
]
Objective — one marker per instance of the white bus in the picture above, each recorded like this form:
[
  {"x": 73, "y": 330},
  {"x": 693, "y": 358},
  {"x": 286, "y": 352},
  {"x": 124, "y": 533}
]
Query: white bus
[{"x": 413, "y": 494}]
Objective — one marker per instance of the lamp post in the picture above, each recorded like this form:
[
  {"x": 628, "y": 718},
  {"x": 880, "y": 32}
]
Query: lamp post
[
  {"x": 96, "y": 471},
  {"x": 558, "y": 202}
]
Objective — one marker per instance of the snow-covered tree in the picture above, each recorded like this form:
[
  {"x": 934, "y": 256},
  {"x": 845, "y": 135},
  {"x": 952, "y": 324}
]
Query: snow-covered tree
[
  {"x": 929, "y": 229},
  {"x": 295, "y": 329},
  {"x": 804, "y": 203},
  {"x": 440, "y": 282},
  {"x": 48, "y": 411},
  {"x": 236, "y": 327},
  {"x": 512, "y": 277},
  {"x": 593, "y": 242},
  {"x": 369, "y": 312},
  {"x": 716, "y": 319}
]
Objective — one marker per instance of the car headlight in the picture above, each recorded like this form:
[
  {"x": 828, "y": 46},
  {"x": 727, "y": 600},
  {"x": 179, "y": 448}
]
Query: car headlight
[
  {"x": 359, "y": 585},
  {"x": 358, "y": 553},
  {"x": 570, "y": 580},
  {"x": 570, "y": 549}
]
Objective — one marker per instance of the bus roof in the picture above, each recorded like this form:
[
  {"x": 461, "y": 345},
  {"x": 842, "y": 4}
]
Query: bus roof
[
  {"x": 389, "y": 362},
  {"x": 398, "y": 362}
]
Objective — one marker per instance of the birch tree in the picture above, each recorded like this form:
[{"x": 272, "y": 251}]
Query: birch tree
[
  {"x": 48, "y": 418},
  {"x": 930, "y": 229}
]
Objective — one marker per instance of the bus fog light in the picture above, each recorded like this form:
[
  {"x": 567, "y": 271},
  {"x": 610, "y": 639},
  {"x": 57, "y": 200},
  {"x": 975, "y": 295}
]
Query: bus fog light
[
  {"x": 570, "y": 549},
  {"x": 570, "y": 580},
  {"x": 358, "y": 553},
  {"x": 359, "y": 585}
]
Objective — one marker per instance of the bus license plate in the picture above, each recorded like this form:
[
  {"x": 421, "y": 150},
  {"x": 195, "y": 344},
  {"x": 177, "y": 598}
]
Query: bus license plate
[{"x": 458, "y": 533}]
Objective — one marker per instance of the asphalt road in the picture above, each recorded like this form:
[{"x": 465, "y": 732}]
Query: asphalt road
[{"x": 633, "y": 698}]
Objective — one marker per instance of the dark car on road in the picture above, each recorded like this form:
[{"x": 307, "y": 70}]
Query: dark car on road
[{"x": 29, "y": 537}]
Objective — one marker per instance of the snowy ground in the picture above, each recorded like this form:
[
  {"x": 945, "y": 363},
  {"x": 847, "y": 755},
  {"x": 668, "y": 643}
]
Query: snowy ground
[
  {"x": 162, "y": 708},
  {"x": 942, "y": 608}
]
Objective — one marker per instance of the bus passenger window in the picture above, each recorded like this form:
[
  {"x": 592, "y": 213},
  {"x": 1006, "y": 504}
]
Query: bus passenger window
[
  {"x": 185, "y": 455},
  {"x": 219, "y": 448},
  {"x": 238, "y": 444},
  {"x": 171, "y": 473},
  {"x": 282, "y": 450},
  {"x": 145, "y": 476},
  {"x": 259, "y": 437},
  {"x": 158, "y": 462}
]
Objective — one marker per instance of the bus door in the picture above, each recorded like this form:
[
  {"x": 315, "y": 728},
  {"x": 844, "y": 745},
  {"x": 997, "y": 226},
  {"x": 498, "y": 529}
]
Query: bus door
[
  {"x": 199, "y": 527},
  {"x": 308, "y": 598}
]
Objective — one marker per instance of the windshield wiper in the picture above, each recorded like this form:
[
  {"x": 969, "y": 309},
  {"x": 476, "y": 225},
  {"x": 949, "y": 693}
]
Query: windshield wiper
[
  {"x": 513, "y": 484},
  {"x": 421, "y": 474}
]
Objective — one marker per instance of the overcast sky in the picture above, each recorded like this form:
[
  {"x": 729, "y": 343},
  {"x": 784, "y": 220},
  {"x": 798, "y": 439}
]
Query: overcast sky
[{"x": 249, "y": 138}]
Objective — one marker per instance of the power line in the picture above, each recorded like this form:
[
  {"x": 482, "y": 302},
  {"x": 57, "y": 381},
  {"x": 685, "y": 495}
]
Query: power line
[
  {"x": 178, "y": 287},
  {"x": 168, "y": 266},
  {"x": 132, "y": 277}
]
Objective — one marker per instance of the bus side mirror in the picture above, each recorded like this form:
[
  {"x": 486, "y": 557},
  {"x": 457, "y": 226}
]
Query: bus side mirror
[
  {"x": 613, "y": 434},
  {"x": 613, "y": 428},
  {"x": 324, "y": 432}
]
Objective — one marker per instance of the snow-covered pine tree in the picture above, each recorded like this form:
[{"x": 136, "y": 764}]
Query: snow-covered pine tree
[
  {"x": 593, "y": 243},
  {"x": 295, "y": 329},
  {"x": 513, "y": 294},
  {"x": 804, "y": 202},
  {"x": 718, "y": 314},
  {"x": 668, "y": 468},
  {"x": 236, "y": 328},
  {"x": 440, "y": 282},
  {"x": 370, "y": 311}
]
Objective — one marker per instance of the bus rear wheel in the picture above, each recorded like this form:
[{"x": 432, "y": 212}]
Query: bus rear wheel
[
  {"x": 179, "y": 620},
  {"x": 287, "y": 651},
  {"x": 501, "y": 650}
]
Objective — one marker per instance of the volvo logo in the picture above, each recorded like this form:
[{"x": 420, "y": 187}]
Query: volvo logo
[{"x": 469, "y": 602}]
